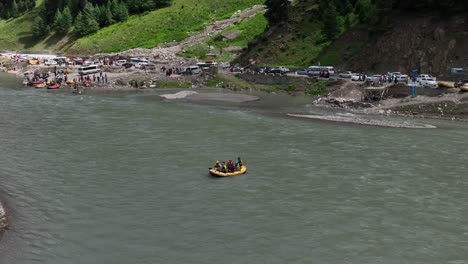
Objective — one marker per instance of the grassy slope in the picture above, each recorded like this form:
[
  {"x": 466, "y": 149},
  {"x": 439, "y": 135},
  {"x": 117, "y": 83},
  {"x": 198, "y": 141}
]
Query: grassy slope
[
  {"x": 145, "y": 30},
  {"x": 164, "y": 25},
  {"x": 15, "y": 33},
  {"x": 294, "y": 44},
  {"x": 250, "y": 28}
]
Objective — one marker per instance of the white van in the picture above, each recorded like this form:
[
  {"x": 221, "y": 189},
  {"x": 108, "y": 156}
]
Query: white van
[
  {"x": 85, "y": 70},
  {"x": 195, "y": 69}
]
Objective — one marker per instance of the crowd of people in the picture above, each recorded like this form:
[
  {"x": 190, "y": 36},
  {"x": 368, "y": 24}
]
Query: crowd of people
[
  {"x": 228, "y": 166},
  {"x": 101, "y": 78},
  {"x": 56, "y": 76}
]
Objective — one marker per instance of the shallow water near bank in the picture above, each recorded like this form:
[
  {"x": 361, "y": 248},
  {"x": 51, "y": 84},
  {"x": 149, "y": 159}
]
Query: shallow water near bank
[{"x": 124, "y": 179}]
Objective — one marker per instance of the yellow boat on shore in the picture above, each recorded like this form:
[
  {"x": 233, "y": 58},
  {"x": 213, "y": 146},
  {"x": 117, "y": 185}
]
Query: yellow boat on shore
[
  {"x": 228, "y": 174},
  {"x": 464, "y": 88},
  {"x": 446, "y": 84},
  {"x": 42, "y": 85}
]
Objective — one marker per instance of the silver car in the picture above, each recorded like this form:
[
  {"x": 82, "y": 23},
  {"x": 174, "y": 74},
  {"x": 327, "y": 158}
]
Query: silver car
[{"x": 346, "y": 74}]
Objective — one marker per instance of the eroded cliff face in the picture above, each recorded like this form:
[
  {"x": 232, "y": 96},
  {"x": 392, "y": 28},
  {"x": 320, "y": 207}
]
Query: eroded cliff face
[{"x": 431, "y": 43}]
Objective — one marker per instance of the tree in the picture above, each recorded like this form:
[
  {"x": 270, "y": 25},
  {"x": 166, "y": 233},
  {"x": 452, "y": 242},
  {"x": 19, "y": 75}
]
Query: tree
[
  {"x": 277, "y": 11},
  {"x": 105, "y": 15},
  {"x": 85, "y": 25},
  {"x": 39, "y": 27},
  {"x": 57, "y": 21},
  {"x": 14, "y": 9},
  {"x": 62, "y": 21},
  {"x": 330, "y": 24},
  {"x": 119, "y": 11},
  {"x": 67, "y": 20}
]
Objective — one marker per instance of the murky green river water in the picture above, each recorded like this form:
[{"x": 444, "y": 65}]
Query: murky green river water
[{"x": 123, "y": 179}]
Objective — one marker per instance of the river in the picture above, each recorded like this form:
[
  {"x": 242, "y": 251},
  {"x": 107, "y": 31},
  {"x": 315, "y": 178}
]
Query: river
[{"x": 122, "y": 178}]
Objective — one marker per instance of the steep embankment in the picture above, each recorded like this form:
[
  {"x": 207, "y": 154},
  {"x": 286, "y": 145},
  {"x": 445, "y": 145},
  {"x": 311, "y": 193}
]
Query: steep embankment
[
  {"x": 427, "y": 40},
  {"x": 432, "y": 43},
  {"x": 294, "y": 43},
  {"x": 148, "y": 30}
]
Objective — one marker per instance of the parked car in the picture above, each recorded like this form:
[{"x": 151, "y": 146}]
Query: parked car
[
  {"x": 428, "y": 82},
  {"x": 128, "y": 65},
  {"x": 355, "y": 77},
  {"x": 261, "y": 70},
  {"x": 278, "y": 70},
  {"x": 374, "y": 78},
  {"x": 421, "y": 76},
  {"x": 302, "y": 72},
  {"x": 224, "y": 65},
  {"x": 346, "y": 74},
  {"x": 78, "y": 60},
  {"x": 141, "y": 65},
  {"x": 236, "y": 69},
  {"x": 403, "y": 78},
  {"x": 120, "y": 62},
  {"x": 50, "y": 62}
]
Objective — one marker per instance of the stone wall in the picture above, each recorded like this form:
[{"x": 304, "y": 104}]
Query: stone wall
[
  {"x": 264, "y": 79},
  {"x": 400, "y": 91}
]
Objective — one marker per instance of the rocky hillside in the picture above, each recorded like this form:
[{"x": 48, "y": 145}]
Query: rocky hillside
[
  {"x": 425, "y": 41},
  {"x": 410, "y": 36}
]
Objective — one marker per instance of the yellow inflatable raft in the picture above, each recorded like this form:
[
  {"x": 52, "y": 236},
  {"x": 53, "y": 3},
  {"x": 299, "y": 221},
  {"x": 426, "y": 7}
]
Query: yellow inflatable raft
[
  {"x": 42, "y": 85},
  {"x": 228, "y": 174},
  {"x": 446, "y": 84},
  {"x": 464, "y": 88}
]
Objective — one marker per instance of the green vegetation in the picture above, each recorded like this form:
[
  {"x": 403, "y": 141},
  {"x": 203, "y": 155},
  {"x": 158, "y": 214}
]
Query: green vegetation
[
  {"x": 294, "y": 47},
  {"x": 248, "y": 30},
  {"x": 173, "y": 84},
  {"x": 13, "y": 8},
  {"x": 149, "y": 29},
  {"x": 16, "y": 33},
  {"x": 143, "y": 82},
  {"x": 165, "y": 25},
  {"x": 318, "y": 88},
  {"x": 233, "y": 82}
]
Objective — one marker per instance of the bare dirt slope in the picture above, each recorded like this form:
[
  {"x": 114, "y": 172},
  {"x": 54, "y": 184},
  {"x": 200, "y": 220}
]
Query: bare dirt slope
[{"x": 430, "y": 42}]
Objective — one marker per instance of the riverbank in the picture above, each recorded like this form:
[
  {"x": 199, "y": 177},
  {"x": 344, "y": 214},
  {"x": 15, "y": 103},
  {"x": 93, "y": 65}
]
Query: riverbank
[
  {"x": 335, "y": 93},
  {"x": 3, "y": 219}
]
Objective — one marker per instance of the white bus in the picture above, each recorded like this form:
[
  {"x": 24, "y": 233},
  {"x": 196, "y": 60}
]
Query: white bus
[
  {"x": 138, "y": 60},
  {"x": 316, "y": 70},
  {"x": 89, "y": 69}
]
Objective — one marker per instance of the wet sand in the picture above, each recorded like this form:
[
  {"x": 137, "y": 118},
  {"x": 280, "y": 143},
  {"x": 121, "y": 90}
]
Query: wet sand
[
  {"x": 362, "y": 121},
  {"x": 221, "y": 97}
]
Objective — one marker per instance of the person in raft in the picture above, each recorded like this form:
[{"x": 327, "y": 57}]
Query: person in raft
[{"x": 229, "y": 166}]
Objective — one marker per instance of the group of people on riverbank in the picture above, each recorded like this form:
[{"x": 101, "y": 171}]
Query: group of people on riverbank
[{"x": 228, "y": 166}]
